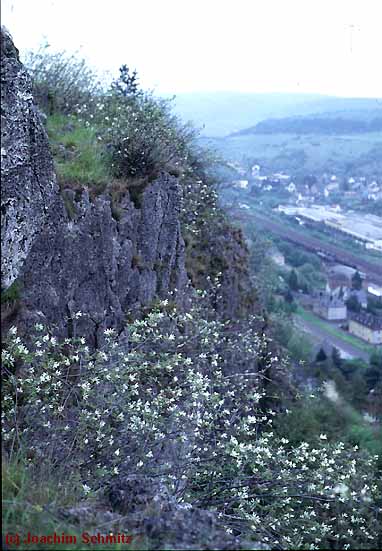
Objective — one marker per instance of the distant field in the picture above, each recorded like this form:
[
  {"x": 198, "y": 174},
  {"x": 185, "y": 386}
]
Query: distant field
[{"x": 305, "y": 153}]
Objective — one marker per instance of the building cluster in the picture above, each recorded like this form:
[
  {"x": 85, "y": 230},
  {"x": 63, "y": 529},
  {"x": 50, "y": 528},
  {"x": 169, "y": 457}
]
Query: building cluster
[
  {"x": 366, "y": 327},
  {"x": 331, "y": 304},
  {"x": 324, "y": 187},
  {"x": 320, "y": 201},
  {"x": 330, "y": 307}
]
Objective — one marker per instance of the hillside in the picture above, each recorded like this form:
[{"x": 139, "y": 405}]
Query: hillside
[
  {"x": 148, "y": 401},
  {"x": 222, "y": 113},
  {"x": 352, "y": 154},
  {"x": 348, "y": 122}
]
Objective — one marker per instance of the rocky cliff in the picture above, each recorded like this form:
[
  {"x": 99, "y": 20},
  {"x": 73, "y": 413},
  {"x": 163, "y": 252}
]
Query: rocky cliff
[
  {"x": 27, "y": 175},
  {"x": 102, "y": 267},
  {"x": 91, "y": 261}
]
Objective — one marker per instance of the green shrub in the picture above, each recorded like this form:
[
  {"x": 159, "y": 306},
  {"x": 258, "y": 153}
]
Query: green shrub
[
  {"x": 12, "y": 294},
  {"x": 338, "y": 420},
  {"x": 300, "y": 347},
  {"x": 142, "y": 136},
  {"x": 125, "y": 133},
  {"x": 61, "y": 82}
]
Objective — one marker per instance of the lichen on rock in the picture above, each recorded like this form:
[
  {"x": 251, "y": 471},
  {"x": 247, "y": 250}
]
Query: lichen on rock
[{"x": 27, "y": 173}]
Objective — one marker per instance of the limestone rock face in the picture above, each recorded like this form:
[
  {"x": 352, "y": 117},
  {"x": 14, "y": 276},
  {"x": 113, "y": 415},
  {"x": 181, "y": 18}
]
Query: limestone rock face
[
  {"x": 89, "y": 262},
  {"x": 27, "y": 175},
  {"x": 102, "y": 267}
]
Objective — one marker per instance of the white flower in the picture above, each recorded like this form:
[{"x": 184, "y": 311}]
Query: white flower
[
  {"x": 341, "y": 489},
  {"x": 323, "y": 437},
  {"x": 117, "y": 452},
  {"x": 86, "y": 488}
]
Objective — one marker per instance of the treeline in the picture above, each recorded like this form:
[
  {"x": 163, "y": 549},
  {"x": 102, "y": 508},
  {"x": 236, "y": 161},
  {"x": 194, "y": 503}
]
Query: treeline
[{"x": 315, "y": 125}]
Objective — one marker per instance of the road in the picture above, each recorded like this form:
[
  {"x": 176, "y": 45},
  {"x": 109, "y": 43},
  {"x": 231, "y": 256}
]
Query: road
[{"x": 319, "y": 334}]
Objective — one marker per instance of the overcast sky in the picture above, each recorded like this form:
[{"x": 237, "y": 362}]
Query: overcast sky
[{"x": 324, "y": 46}]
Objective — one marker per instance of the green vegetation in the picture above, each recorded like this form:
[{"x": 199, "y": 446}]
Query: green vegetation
[
  {"x": 120, "y": 138},
  {"x": 34, "y": 496},
  {"x": 12, "y": 294},
  {"x": 224, "y": 112},
  {"x": 356, "y": 281},
  {"x": 10, "y": 303},
  {"x": 235, "y": 463},
  {"x": 79, "y": 157},
  {"x": 61, "y": 82},
  {"x": 293, "y": 281},
  {"x": 300, "y": 347},
  {"x": 338, "y": 420},
  {"x": 95, "y": 134},
  {"x": 184, "y": 408},
  {"x": 353, "y": 303},
  {"x": 324, "y": 123}
]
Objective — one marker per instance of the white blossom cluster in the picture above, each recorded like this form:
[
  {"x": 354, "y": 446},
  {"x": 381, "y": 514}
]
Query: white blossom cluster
[{"x": 181, "y": 398}]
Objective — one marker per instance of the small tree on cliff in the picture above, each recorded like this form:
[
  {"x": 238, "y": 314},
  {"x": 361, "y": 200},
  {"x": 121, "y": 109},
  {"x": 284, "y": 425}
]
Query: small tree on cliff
[
  {"x": 336, "y": 357},
  {"x": 127, "y": 84}
]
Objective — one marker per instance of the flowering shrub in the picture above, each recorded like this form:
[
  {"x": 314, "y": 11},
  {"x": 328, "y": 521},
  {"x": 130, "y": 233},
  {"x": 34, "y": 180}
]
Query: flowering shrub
[
  {"x": 61, "y": 82},
  {"x": 124, "y": 133},
  {"x": 179, "y": 398},
  {"x": 167, "y": 375},
  {"x": 143, "y": 137},
  {"x": 307, "y": 497}
]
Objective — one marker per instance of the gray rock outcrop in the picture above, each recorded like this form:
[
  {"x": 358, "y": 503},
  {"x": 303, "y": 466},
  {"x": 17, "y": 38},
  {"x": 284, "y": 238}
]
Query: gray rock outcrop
[
  {"x": 88, "y": 262},
  {"x": 104, "y": 267},
  {"x": 95, "y": 260},
  {"x": 27, "y": 175}
]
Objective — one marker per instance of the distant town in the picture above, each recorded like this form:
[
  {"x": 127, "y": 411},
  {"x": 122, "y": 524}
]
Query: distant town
[
  {"x": 327, "y": 215},
  {"x": 324, "y": 187}
]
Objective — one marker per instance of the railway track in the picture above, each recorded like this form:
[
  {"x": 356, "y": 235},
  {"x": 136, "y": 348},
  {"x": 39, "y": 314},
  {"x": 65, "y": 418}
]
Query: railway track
[{"x": 328, "y": 250}]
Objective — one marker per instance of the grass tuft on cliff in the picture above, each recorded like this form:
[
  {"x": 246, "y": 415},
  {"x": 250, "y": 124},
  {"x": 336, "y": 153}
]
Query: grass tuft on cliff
[{"x": 78, "y": 155}]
